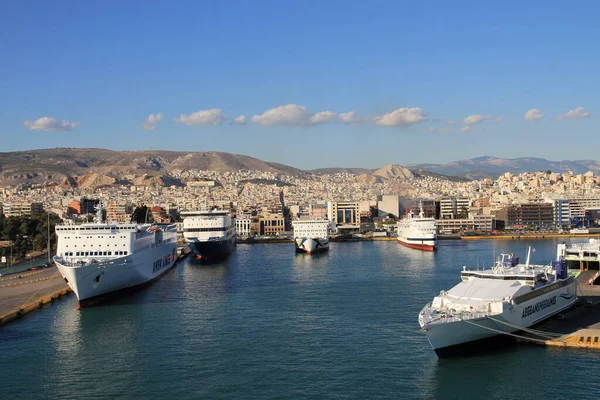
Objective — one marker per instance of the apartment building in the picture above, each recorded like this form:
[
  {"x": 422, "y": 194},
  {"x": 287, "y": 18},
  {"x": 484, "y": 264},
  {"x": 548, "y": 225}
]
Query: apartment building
[
  {"x": 530, "y": 214},
  {"x": 454, "y": 207},
  {"x": 18, "y": 209}
]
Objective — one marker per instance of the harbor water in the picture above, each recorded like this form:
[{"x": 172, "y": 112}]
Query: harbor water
[{"x": 268, "y": 323}]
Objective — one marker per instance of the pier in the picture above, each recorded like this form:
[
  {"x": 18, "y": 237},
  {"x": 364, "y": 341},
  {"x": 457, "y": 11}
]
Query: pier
[{"x": 23, "y": 292}]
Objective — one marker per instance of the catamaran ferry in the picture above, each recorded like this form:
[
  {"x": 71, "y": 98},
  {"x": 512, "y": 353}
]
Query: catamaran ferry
[
  {"x": 100, "y": 259},
  {"x": 417, "y": 232},
  {"x": 502, "y": 300},
  {"x": 311, "y": 235},
  {"x": 209, "y": 234}
]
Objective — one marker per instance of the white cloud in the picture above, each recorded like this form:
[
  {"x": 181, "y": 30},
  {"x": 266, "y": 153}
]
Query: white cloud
[
  {"x": 445, "y": 129},
  {"x": 152, "y": 120},
  {"x": 290, "y": 114},
  {"x": 475, "y": 119},
  {"x": 295, "y": 115},
  {"x": 450, "y": 122},
  {"x": 469, "y": 128},
  {"x": 241, "y": 120},
  {"x": 496, "y": 120},
  {"x": 350, "y": 118},
  {"x": 50, "y": 124},
  {"x": 323, "y": 117},
  {"x": 214, "y": 116},
  {"x": 577, "y": 113},
  {"x": 401, "y": 117},
  {"x": 533, "y": 115}
]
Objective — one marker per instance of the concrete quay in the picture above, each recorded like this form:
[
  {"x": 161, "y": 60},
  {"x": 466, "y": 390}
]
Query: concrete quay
[
  {"x": 528, "y": 236},
  {"x": 21, "y": 293}
]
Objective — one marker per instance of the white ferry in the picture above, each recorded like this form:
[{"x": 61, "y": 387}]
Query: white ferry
[
  {"x": 209, "y": 234},
  {"x": 589, "y": 251},
  {"x": 417, "y": 232},
  {"x": 311, "y": 235},
  {"x": 502, "y": 300},
  {"x": 99, "y": 259}
]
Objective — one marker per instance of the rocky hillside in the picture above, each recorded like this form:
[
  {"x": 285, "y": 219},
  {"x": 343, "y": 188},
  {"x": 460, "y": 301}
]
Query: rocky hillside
[
  {"x": 92, "y": 168},
  {"x": 98, "y": 167}
]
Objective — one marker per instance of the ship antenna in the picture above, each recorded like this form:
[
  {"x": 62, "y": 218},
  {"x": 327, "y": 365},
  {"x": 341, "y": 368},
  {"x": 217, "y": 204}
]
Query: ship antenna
[{"x": 528, "y": 256}]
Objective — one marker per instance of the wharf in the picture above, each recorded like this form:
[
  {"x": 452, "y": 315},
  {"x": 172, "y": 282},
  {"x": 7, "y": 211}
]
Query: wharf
[
  {"x": 578, "y": 327},
  {"x": 21, "y": 293},
  {"x": 530, "y": 236}
]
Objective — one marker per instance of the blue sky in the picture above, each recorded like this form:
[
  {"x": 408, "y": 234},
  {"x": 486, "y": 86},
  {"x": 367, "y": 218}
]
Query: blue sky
[{"x": 90, "y": 74}]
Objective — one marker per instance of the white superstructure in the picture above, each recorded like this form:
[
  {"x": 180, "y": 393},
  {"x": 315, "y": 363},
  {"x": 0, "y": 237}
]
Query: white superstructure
[
  {"x": 311, "y": 235},
  {"x": 587, "y": 252},
  {"x": 100, "y": 258},
  {"x": 487, "y": 303},
  {"x": 417, "y": 232}
]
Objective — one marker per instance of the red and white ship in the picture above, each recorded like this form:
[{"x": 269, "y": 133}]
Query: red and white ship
[{"x": 417, "y": 232}]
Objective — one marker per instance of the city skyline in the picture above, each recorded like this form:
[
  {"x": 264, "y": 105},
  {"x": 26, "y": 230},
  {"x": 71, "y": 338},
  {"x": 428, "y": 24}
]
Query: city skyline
[{"x": 313, "y": 86}]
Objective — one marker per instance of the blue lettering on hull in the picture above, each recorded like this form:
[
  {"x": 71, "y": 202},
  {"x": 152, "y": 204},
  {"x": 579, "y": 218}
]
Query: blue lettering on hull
[
  {"x": 540, "y": 305},
  {"x": 161, "y": 263}
]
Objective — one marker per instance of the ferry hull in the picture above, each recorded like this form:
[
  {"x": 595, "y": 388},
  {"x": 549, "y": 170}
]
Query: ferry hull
[
  {"x": 311, "y": 245},
  {"x": 94, "y": 283},
  {"x": 457, "y": 337},
  {"x": 425, "y": 245},
  {"x": 212, "y": 250}
]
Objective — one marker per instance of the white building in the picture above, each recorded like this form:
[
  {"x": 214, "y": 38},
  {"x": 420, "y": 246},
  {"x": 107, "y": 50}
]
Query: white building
[{"x": 242, "y": 224}]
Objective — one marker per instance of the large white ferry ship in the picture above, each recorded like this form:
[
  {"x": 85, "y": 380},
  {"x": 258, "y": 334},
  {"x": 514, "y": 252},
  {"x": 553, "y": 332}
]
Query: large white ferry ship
[
  {"x": 417, "y": 232},
  {"x": 209, "y": 234},
  {"x": 100, "y": 259},
  {"x": 311, "y": 235},
  {"x": 492, "y": 302}
]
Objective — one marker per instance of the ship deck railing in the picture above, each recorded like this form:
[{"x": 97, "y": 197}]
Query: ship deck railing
[
  {"x": 87, "y": 261},
  {"x": 430, "y": 315}
]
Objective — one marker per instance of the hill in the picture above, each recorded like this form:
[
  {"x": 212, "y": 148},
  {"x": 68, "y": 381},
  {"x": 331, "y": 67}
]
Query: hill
[{"x": 87, "y": 167}]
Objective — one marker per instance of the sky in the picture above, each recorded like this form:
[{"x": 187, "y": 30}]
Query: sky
[{"x": 310, "y": 84}]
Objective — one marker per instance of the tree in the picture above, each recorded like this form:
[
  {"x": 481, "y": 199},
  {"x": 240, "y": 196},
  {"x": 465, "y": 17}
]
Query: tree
[{"x": 140, "y": 215}]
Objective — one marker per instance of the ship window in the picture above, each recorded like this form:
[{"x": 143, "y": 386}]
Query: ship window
[
  {"x": 77, "y": 254},
  {"x": 87, "y": 253},
  {"x": 106, "y": 253},
  {"x": 125, "y": 252},
  {"x": 110, "y": 253}
]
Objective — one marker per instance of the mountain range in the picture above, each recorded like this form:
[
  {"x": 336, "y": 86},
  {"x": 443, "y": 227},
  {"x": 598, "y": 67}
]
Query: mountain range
[
  {"x": 72, "y": 167},
  {"x": 492, "y": 167}
]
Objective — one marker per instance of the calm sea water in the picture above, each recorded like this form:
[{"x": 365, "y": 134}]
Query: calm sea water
[{"x": 269, "y": 323}]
